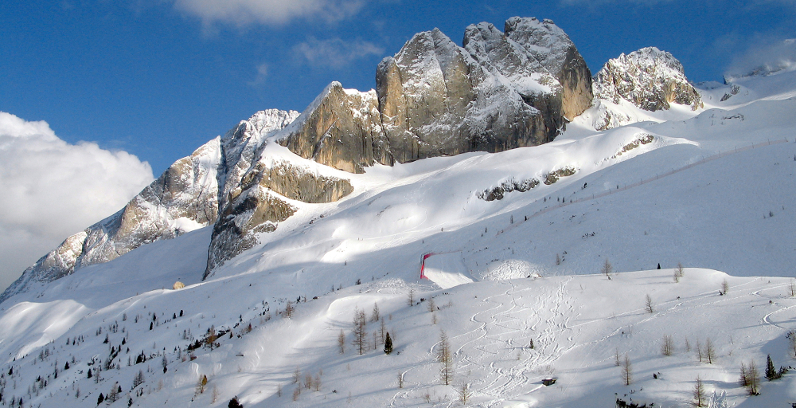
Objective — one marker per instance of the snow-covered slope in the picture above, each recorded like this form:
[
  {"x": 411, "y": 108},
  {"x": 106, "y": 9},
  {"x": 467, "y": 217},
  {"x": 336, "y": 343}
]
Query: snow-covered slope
[{"x": 714, "y": 192}]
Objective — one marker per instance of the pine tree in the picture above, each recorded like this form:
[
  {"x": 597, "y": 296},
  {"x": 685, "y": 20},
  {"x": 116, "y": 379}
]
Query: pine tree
[
  {"x": 771, "y": 372},
  {"x": 234, "y": 403},
  {"x": 387, "y": 344},
  {"x": 99, "y": 399}
]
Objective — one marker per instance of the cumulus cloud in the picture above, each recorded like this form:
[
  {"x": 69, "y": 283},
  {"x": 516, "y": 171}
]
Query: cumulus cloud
[
  {"x": 764, "y": 57},
  {"x": 270, "y": 12},
  {"x": 50, "y": 189},
  {"x": 335, "y": 52}
]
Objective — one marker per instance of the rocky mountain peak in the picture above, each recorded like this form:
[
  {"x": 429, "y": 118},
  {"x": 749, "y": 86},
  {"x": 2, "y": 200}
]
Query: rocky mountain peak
[
  {"x": 649, "y": 78},
  {"x": 555, "y": 51},
  {"x": 498, "y": 91}
]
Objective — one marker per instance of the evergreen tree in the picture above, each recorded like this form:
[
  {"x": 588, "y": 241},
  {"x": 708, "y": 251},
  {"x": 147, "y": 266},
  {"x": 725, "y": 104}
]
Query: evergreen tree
[
  {"x": 100, "y": 399},
  {"x": 234, "y": 403},
  {"x": 388, "y": 344},
  {"x": 771, "y": 372}
]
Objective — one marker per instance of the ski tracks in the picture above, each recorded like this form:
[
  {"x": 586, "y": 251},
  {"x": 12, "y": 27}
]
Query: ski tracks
[{"x": 515, "y": 317}]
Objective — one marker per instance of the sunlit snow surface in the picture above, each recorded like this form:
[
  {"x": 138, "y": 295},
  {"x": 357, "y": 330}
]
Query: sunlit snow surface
[{"x": 714, "y": 190}]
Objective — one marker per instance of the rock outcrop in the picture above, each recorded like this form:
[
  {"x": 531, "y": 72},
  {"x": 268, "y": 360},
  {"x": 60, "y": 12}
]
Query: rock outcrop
[
  {"x": 498, "y": 91},
  {"x": 551, "y": 46},
  {"x": 434, "y": 98},
  {"x": 342, "y": 129},
  {"x": 258, "y": 206},
  {"x": 649, "y": 79}
]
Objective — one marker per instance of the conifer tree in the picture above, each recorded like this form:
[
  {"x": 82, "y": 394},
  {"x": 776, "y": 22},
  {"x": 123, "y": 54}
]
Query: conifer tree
[
  {"x": 234, "y": 403},
  {"x": 387, "y": 344},
  {"x": 771, "y": 372}
]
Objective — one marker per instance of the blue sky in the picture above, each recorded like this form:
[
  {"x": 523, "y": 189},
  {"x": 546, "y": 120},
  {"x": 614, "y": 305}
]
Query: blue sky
[{"x": 158, "y": 78}]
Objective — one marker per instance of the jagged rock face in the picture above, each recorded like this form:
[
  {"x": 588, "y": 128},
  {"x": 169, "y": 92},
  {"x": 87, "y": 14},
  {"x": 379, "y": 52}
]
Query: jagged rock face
[
  {"x": 433, "y": 98},
  {"x": 649, "y": 78},
  {"x": 254, "y": 208},
  {"x": 341, "y": 129},
  {"x": 552, "y": 47},
  {"x": 424, "y": 94},
  {"x": 183, "y": 198},
  {"x": 242, "y": 145},
  {"x": 249, "y": 214}
]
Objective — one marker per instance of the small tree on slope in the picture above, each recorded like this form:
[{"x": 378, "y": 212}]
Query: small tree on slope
[
  {"x": 360, "y": 334},
  {"x": 387, "y": 344},
  {"x": 607, "y": 269},
  {"x": 445, "y": 357},
  {"x": 771, "y": 372},
  {"x": 627, "y": 371},
  {"x": 699, "y": 393}
]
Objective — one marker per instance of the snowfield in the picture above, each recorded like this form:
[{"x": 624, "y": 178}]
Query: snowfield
[{"x": 712, "y": 189}]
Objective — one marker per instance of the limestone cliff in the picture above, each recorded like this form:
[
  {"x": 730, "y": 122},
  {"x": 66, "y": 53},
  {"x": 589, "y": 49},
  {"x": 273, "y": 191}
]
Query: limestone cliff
[
  {"x": 434, "y": 98},
  {"x": 649, "y": 79}
]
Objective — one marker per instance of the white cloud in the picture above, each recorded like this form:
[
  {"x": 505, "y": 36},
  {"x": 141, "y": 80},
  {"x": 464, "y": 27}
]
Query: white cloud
[
  {"x": 764, "y": 57},
  {"x": 270, "y": 12},
  {"x": 335, "y": 52},
  {"x": 262, "y": 74},
  {"x": 50, "y": 189}
]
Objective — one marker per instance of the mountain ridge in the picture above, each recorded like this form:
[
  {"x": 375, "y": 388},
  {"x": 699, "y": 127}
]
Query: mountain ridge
[{"x": 498, "y": 91}]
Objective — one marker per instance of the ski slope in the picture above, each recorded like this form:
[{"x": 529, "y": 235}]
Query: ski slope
[{"x": 713, "y": 190}]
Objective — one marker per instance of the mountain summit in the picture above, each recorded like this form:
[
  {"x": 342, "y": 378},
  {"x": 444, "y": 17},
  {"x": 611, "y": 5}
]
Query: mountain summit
[{"x": 499, "y": 91}]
